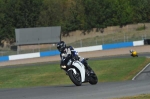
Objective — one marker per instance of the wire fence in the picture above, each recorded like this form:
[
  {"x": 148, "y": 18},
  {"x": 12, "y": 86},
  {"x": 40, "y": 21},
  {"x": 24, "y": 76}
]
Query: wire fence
[
  {"x": 78, "y": 41},
  {"x": 101, "y": 41},
  {"x": 81, "y": 43}
]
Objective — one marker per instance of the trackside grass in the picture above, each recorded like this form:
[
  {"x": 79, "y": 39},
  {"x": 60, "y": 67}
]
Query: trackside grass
[
  {"x": 142, "y": 96},
  {"x": 51, "y": 74}
]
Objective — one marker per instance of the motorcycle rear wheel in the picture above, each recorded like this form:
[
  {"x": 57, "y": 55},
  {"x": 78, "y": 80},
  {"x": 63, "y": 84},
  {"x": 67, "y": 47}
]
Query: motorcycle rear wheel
[{"x": 93, "y": 78}]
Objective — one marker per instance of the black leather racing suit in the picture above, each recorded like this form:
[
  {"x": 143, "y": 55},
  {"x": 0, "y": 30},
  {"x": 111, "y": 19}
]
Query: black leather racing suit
[{"x": 66, "y": 55}]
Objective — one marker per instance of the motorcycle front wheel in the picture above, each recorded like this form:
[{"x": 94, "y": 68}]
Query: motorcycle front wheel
[{"x": 75, "y": 78}]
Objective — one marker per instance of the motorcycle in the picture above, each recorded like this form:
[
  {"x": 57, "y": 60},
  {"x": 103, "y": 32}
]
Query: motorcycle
[
  {"x": 78, "y": 73},
  {"x": 133, "y": 53}
]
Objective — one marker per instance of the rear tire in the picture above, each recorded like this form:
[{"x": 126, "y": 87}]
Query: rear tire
[
  {"x": 93, "y": 78},
  {"x": 76, "y": 79}
]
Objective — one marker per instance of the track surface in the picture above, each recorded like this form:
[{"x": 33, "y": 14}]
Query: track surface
[
  {"x": 86, "y": 91},
  {"x": 108, "y": 90}
]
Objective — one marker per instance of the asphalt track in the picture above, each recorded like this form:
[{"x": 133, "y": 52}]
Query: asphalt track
[{"x": 107, "y": 90}]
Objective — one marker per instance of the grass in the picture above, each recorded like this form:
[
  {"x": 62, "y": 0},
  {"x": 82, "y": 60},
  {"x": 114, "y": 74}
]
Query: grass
[
  {"x": 118, "y": 69},
  {"x": 141, "y": 28},
  {"x": 51, "y": 74},
  {"x": 31, "y": 76},
  {"x": 142, "y": 96}
]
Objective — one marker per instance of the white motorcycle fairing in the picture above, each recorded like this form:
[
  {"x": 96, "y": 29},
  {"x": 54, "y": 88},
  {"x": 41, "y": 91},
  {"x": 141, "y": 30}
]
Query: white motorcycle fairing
[{"x": 81, "y": 68}]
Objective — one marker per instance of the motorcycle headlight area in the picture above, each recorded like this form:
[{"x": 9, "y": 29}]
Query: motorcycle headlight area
[{"x": 63, "y": 66}]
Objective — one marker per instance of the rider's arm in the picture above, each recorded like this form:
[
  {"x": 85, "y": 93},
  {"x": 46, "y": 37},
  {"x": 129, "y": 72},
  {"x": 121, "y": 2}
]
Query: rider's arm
[
  {"x": 62, "y": 60},
  {"x": 76, "y": 56}
]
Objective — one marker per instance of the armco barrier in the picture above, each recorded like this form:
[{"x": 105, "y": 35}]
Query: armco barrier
[
  {"x": 83, "y": 49},
  {"x": 90, "y": 48},
  {"x": 49, "y": 53},
  {"x": 138, "y": 43},
  {"x": 4, "y": 58},
  {"x": 24, "y": 56},
  {"x": 117, "y": 45}
]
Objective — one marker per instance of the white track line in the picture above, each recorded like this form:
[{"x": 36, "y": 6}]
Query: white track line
[{"x": 141, "y": 71}]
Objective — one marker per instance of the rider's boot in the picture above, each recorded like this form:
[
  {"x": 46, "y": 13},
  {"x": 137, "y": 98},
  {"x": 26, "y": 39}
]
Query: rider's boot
[
  {"x": 87, "y": 66},
  {"x": 89, "y": 69}
]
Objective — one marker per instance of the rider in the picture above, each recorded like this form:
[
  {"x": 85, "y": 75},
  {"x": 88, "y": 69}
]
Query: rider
[
  {"x": 133, "y": 53},
  {"x": 65, "y": 52}
]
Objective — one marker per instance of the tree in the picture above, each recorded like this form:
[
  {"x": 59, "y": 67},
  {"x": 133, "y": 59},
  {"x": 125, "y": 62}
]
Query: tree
[
  {"x": 123, "y": 12},
  {"x": 141, "y": 10},
  {"x": 52, "y": 12},
  {"x": 2, "y": 14},
  {"x": 76, "y": 14},
  {"x": 29, "y": 12},
  {"x": 18, "y": 14}
]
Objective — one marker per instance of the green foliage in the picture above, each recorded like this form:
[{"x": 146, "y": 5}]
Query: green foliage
[
  {"x": 141, "y": 10},
  {"x": 140, "y": 96},
  {"x": 18, "y": 14},
  {"x": 70, "y": 14},
  {"x": 124, "y": 12}
]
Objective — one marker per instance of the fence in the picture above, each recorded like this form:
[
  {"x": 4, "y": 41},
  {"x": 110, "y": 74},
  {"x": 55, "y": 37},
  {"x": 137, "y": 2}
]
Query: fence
[{"x": 77, "y": 39}]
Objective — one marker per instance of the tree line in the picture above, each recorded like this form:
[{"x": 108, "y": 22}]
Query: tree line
[{"x": 70, "y": 14}]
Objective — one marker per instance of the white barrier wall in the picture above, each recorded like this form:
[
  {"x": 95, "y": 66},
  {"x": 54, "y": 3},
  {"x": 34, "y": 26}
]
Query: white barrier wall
[
  {"x": 90, "y": 48},
  {"x": 138, "y": 43},
  {"x": 24, "y": 56},
  {"x": 82, "y": 49}
]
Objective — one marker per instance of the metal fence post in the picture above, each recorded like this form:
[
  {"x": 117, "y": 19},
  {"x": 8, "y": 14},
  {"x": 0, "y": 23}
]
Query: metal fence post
[
  {"x": 18, "y": 49},
  {"x": 80, "y": 43},
  {"x": 124, "y": 37},
  {"x": 96, "y": 41},
  {"x": 145, "y": 36}
]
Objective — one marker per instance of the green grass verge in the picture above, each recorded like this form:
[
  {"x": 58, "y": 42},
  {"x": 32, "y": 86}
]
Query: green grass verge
[
  {"x": 51, "y": 74},
  {"x": 142, "y": 96}
]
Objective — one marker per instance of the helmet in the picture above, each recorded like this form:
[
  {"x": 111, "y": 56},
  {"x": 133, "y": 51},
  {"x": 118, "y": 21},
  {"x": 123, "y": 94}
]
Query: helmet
[
  {"x": 131, "y": 50},
  {"x": 61, "y": 46}
]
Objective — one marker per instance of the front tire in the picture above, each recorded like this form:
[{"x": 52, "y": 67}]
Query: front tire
[{"x": 75, "y": 78}]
